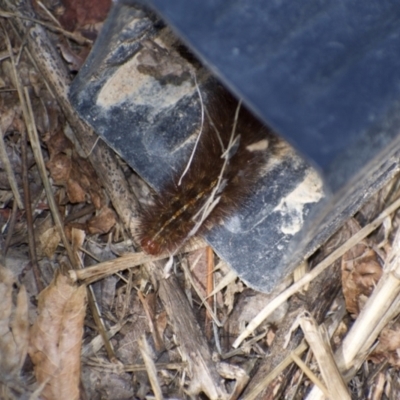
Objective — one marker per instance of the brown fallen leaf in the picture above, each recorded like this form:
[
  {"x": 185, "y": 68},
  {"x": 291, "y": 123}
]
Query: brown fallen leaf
[
  {"x": 50, "y": 241},
  {"x": 361, "y": 271},
  {"x": 73, "y": 172},
  {"x": 56, "y": 339},
  {"x": 103, "y": 222},
  {"x": 388, "y": 346}
]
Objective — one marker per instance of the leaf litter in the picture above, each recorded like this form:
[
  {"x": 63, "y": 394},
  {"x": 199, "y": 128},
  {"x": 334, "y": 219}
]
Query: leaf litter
[{"x": 108, "y": 325}]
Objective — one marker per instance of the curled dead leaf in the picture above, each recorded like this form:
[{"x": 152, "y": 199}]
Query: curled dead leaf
[
  {"x": 56, "y": 338},
  {"x": 103, "y": 222},
  {"x": 361, "y": 271},
  {"x": 388, "y": 346}
]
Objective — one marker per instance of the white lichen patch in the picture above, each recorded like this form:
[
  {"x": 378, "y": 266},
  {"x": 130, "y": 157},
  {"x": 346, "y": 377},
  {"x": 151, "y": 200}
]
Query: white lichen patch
[{"x": 291, "y": 206}]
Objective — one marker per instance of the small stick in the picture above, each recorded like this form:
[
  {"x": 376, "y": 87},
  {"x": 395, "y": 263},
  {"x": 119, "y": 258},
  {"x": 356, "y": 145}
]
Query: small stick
[
  {"x": 25, "y": 179},
  {"x": 158, "y": 342},
  {"x": 300, "y": 349},
  {"x": 313, "y": 378},
  {"x": 50, "y": 15},
  {"x": 106, "y": 268},
  {"x": 118, "y": 368},
  {"x": 28, "y": 212},
  {"x": 189, "y": 276},
  {"x": 37, "y": 152},
  {"x": 210, "y": 284},
  {"x": 150, "y": 367}
]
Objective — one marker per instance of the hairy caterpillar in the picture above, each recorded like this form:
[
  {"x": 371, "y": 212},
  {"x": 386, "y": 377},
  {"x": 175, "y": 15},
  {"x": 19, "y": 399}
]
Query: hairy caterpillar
[{"x": 226, "y": 163}]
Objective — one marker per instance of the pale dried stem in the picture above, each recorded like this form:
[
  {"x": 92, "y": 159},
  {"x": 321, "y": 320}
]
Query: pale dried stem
[
  {"x": 307, "y": 371},
  {"x": 257, "y": 389},
  {"x": 150, "y": 367},
  {"x": 274, "y": 304},
  {"x": 28, "y": 122},
  {"x": 230, "y": 277},
  {"x": 200, "y": 132},
  {"x": 213, "y": 199},
  {"x": 204, "y": 302},
  {"x": 158, "y": 342},
  {"x": 35, "y": 144},
  {"x": 318, "y": 341},
  {"x": 118, "y": 368},
  {"x": 106, "y": 268},
  {"x": 37, "y": 152},
  {"x": 49, "y": 14}
]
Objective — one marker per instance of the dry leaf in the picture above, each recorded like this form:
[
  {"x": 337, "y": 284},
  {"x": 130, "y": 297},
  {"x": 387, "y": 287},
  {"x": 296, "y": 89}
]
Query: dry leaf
[
  {"x": 360, "y": 273},
  {"x": 198, "y": 267},
  {"x": 103, "y": 222},
  {"x": 14, "y": 328},
  {"x": 71, "y": 171},
  {"x": 75, "y": 60},
  {"x": 388, "y": 346},
  {"x": 49, "y": 241},
  {"x": 56, "y": 339}
]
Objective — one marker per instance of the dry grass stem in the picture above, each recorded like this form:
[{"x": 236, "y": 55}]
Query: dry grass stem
[
  {"x": 49, "y": 14},
  {"x": 158, "y": 342},
  {"x": 200, "y": 131},
  {"x": 118, "y": 368},
  {"x": 257, "y": 389},
  {"x": 318, "y": 341},
  {"x": 104, "y": 269},
  {"x": 97, "y": 342},
  {"x": 37, "y": 152},
  {"x": 307, "y": 371},
  {"x": 274, "y": 304},
  {"x": 230, "y": 277},
  {"x": 150, "y": 367},
  {"x": 204, "y": 302}
]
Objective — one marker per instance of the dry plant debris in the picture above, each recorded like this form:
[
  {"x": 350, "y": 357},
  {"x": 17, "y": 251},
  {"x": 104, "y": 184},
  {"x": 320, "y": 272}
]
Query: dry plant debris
[
  {"x": 14, "y": 331},
  {"x": 56, "y": 339},
  {"x": 68, "y": 220}
]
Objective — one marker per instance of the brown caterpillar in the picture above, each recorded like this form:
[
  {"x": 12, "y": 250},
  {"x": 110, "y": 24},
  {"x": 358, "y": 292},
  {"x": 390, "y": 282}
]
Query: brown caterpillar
[{"x": 226, "y": 163}]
